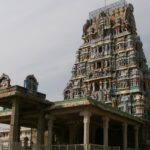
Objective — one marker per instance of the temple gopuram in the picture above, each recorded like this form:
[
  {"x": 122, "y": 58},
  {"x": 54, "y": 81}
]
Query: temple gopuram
[
  {"x": 106, "y": 102},
  {"x": 110, "y": 66}
]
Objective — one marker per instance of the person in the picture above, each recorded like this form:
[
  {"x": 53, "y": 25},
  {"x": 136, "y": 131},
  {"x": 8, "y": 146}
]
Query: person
[{"x": 26, "y": 140}]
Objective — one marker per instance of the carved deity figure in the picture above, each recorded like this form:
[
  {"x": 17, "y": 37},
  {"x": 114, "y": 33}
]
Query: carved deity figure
[
  {"x": 86, "y": 26},
  {"x": 114, "y": 103},
  {"x": 100, "y": 95},
  {"x": 31, "y": 83},
  {"x": 139, "y": 105},
  {"x": 139, "y": 97},
  {"x": 68, "y": 94},
  {"x": 4, "y": 81}
]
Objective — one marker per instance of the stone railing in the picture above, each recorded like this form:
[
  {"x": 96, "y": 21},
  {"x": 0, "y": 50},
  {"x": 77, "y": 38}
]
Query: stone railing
[
  {"x": 17, "y": 146},
  {"x": 95, "y": 147},
  {"x": 114, "y": 148},
  {"x": 131, "y": 149}
]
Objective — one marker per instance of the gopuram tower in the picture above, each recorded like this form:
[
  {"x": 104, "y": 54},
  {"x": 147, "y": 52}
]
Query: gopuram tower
[{"x": 110, "y": 66}]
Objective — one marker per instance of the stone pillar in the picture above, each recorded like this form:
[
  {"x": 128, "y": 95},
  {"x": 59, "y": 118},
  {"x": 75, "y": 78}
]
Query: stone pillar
[
  {"x": 125, "y": 140},
  {"x": 100, "y": 84},
  {"x": 105, "y": 132},
  {"x": 109, "y": 83},
  {"x": 102, "y": 64},
  {"x": 93, "y": 134},
  {"x": 14, "y": 124},
  {"x": 95, "y": 65},
  {"x": 143, "y": 130},
  {"x": 86, "y": 121},
  {"x": 50, "y": 131},
  {"x": 145, "y": 133},
  {"x": 93, "y": 85},
  {"x": 136, "y": 134},
  {"x": 71, "y": 134},
  {"x": 40, "y": 130}
]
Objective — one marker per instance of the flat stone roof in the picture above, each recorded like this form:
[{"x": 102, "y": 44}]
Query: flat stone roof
[
  {"x": 22, "y": 93},
  {"x": 82, "y": 102},
  {"x": 86, "y": 101},
  {"x": 17, "y": 88}
]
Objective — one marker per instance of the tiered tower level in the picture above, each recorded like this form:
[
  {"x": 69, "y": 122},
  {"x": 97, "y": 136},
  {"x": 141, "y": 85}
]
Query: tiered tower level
[{"x": 111, "y": 66}]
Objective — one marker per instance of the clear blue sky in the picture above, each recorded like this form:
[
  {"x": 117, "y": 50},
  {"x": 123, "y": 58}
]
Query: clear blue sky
[{"x": 41, "y": 37}]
